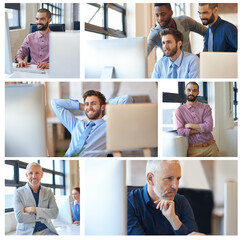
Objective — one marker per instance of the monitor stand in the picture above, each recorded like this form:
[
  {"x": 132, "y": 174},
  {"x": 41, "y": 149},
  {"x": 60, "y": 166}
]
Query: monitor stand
[{"x": 107, "y": 72}]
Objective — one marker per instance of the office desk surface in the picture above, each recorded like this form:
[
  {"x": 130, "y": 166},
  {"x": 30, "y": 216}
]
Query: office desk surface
[{"x": 67, "y": 229}]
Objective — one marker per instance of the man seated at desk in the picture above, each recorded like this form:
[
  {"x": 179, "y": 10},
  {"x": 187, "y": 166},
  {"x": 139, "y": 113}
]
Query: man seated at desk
[
  {"x": 176, "y": 63},
  {"x": 157, "y": 208},
  {"x": 34, "y": 205},
  {"x": 90, "y": 136},
  {"x": 37, "y": 43}
]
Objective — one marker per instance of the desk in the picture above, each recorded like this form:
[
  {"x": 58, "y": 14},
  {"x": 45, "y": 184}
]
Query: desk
[{"x": 67, "y": 229}]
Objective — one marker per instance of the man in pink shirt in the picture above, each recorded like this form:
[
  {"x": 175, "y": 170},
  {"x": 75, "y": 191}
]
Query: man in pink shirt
[
  {"x": 37, "y": 43},
  {"x": 194, "y": 120}
]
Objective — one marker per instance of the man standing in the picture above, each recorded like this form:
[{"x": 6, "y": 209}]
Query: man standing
[
  {"x": 34, "y": 205},
  {"x": 90, "y": 136},
  {"x": 221, "y": 35},
  {"x": 184, "y": 24},
  {"x": 157, "y": 208},
  {"x": 194, "y": 120},
  {"x": 176, "y": 63},
  {"x": 37, "y": 43}
]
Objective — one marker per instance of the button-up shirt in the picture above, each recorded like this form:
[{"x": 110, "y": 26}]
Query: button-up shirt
[
  {"x": 199, "y": 113},
  {"x": 145, "y": 219},
  {"x": 38, "y": 46},
  {"x": 96, "y": 140},
  {"x": 225, "y": 36},
  {"x": 187, "y": 66}
]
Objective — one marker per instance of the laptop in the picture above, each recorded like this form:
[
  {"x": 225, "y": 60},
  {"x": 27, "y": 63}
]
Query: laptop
[{"x": 132, "y": 126}]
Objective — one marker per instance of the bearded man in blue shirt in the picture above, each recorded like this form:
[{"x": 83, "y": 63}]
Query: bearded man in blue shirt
[
  {"x": 157, "y": 208},
  {"x": 176, "y": 63},
  {"x": 221, "y": 35}
]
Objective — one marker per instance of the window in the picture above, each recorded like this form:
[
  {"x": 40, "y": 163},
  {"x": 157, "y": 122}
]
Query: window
[
  {"x": 173, "y": 97},
  {"x": 235, "y": 101},
  {"x": 13, "y": 10},
  {"x": 54, "y": 177},
  {"x": 56, "y": 11},
  {"x": 105, "y": 20}
]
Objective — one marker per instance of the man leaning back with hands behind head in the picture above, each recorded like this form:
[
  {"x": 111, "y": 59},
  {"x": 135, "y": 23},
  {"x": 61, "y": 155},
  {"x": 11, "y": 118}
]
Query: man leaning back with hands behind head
[{"x": 157, "y": 208}]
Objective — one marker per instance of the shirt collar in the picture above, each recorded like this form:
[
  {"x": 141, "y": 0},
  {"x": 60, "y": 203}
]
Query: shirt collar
[
  {"x": 189, "y": 105},
  {"x": 75, "y": 203},
  {"x": 97, "y": 122},
  {"x": 214, "y": 26},
  {"x": 178, "y": 61},
  {"x": 146, "y": 195},
  {"x": 32, "y": 189},
  {"x": 43, "y": 35}
]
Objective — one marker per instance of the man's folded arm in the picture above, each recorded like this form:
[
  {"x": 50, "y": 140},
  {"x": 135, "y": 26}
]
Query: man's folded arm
[
  {"x": 62, "y": 109},
  {"x": 20, "y": 215},
  {"x": 207, "y": 125},
  {"x": 180, "y": 125}
]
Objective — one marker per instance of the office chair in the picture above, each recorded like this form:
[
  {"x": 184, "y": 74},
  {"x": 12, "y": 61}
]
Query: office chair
[
  {"x": 201, "y": 201},
  {"x": 53, "y": 27}
]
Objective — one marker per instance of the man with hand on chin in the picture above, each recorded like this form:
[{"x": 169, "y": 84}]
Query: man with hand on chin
[
  {"x": 37, "y": 43},
  {"x": 194, "y": 120},
  {"x": 157, "y": 208},
  {"x": 34, "y": 205}
]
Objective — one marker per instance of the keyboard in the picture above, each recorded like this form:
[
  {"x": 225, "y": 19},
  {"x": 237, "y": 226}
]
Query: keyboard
[{"x": 30, "y": 69}]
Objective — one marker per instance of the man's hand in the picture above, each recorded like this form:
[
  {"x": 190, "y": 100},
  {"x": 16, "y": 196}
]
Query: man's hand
[
  {"x": 76, "y": 222},
  {"x": 193, "y": 126},
  {"x": 168, "y": 210},
  {"x": 81, "y": 106},
  {"x": 30, "y": 210},
  {"x": 196, "y": 233},
  {"x": 22, "y": 63},
  {"x": 43, "y": 65}
]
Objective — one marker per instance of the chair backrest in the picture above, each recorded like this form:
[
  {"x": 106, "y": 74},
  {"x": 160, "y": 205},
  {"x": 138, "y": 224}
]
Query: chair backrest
[{"x": 53, "y": 27}]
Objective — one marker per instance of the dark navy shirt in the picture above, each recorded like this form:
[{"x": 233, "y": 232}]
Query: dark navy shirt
[
  {"x": 145, "y": 219},
  {"x": 225, "y": 37},
  {"x": 38, "y": 225}
]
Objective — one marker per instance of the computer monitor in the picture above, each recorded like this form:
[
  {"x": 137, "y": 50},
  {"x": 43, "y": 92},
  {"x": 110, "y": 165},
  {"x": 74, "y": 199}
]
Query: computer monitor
[
  {"x": 231, "y": 208},
  {"x": 25, "y": 121},
  {"x": 132, "y": 126},
  {"x": 127, "y": 56},
  {"x": 105, "y": 197},
  {"x": 218, "y": 65},
  {"x": 64, "y": 52},
  {"x": 8, "y": 51},
  {"x": 65, "y": 215}
]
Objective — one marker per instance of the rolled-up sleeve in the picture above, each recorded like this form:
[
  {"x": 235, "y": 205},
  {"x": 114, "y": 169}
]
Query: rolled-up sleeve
[
  {"x": 207, "y": 124},
  {"x": 180, "y": 124},
  {"x": 24, "y": 49}
]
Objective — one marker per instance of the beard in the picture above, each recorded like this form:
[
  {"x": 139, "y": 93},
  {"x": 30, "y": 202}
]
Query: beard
[
  {"x": 162, "y": 195},
  {"x": 172, "y": 52},
  {"x": 165, "y": 23},
  {"x": 209, "y": 20},
  {"x": 44, "y": 27},
  {"x": 191, "y": 99},
  {"x": 95, "y": 116}
]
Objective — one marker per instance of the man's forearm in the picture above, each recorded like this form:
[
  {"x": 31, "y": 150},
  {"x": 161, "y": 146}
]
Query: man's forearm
[
  {"x": 193, "y": 126},
  {"x": 81, "y": 106}
]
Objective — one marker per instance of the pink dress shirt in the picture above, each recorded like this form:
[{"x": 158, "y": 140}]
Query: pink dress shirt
[
  {"x": 38, "y": 45},
  {"x": 199, "y": 113}
]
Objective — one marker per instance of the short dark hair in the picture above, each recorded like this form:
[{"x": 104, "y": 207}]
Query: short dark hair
[
  {"x": 210, "y": 5},
  {"x": 98, "y": 94},
  {"x": 175, "y": 33},
  {"x": 168, "y": 5},
  {"x": 193, "y": 83},
  {"x": 77, "y": 189},
  {"x": 44, "y": 10}
]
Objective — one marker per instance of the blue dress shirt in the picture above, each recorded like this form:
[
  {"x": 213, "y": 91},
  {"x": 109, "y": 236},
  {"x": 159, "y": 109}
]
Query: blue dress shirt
[
  {"x": 75, "y": 208},
  {"x": 38, "y": 225},
  {"x": 187, "y": 66},
  {"x": 96, "y": 140},
  {"x": 145, "y": 219},
  {"x": 225, "y": 37}
]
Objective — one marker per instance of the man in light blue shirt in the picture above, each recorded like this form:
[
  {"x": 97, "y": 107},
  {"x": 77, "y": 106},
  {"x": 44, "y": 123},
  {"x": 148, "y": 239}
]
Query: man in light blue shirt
[
  {"x": 176, "y": 63},
  {"x": 94, "y": 107}
]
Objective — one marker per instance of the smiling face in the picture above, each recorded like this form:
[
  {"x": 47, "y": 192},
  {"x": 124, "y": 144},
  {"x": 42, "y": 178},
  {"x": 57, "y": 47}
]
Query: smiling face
[
  {"x": 166, "y": 181},
  {"x": 42, "y": 21},
  {"x": 34, "y": 175},
  {"x": 207, "y": 15},
  {"x": 163, "y": 15},
  {"x": 170, "y": 46},
  {"x": 93, "y": 109}
]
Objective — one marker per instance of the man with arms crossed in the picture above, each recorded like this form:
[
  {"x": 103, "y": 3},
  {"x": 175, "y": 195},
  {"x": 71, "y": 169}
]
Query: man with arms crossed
[
  {"x": 184, "y": 24},
  {"x": 34, "y": 205},
  {"x": 176, "y": 63},
  {"x": 194, "y": 120},
  {"x": 157, "y": 208},
  {"x": 90, "y": 136},
  {"x": 37, "y": 43},
  {"x": 221, "y": 36}
]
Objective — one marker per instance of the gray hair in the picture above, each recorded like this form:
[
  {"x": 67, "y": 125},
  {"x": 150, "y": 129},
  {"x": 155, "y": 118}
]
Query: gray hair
[
  {"x": 33, "y": 164},
  {"x": 154, "y": 166}
]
